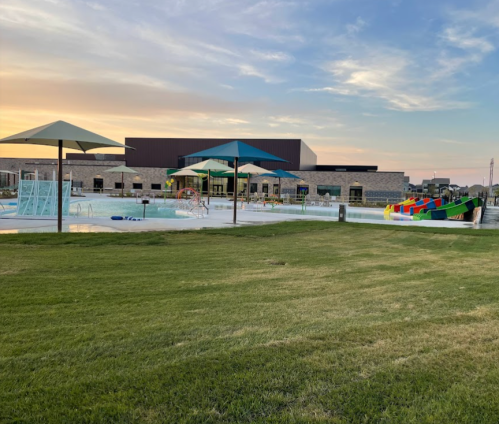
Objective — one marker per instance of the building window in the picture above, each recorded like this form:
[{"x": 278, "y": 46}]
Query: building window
[
  {"x": 253, "y": 188},
  {"x": 183, "y": 162},
  {"x": 117, "y": 185},
  {"x": 265, "y": 188},
  {"x": 192, "y": 182},
  {"x": 332, "y": 190},
  {"x": 137, "y": 186},
  {"x": 155, "y": 186},
  {"x": 223, "y": 162},
  {"x": 302, "y": 190}
]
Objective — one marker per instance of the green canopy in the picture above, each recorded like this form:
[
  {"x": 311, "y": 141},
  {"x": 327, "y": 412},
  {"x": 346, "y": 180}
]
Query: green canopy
[{"x": 221, "y": 174}]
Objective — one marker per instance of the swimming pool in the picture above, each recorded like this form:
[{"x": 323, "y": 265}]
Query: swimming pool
[
  {"x": 331, "y": 212},
  {"x": 108, "y": 208},
  {"x": 8, "y": 208}
]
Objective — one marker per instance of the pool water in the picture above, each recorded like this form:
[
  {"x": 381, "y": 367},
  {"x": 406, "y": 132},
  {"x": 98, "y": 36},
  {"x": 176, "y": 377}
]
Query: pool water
[
  {"x": 8, "y": 208},
  {"x": 108, "y": 208},
  {"x": 331, "y": 212}
]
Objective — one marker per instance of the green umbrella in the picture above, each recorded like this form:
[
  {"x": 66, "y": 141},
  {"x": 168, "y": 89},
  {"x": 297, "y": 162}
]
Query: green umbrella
[
  {"x": 123, "y": 170},
  {"x": 61, "y": 134}
]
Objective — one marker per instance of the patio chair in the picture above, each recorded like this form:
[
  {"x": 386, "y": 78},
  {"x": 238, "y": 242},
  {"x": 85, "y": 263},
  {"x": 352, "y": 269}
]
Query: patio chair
[
  {"x": 327, "y": 200},
  {"x": 286, "y": 200},
  {"x": 308, "y": 200}
]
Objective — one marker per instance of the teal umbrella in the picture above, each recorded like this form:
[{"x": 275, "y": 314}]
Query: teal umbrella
[{"x": 236, "y": 151}]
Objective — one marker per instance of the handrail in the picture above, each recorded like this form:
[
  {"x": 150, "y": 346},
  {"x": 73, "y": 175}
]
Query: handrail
[
  {"x": 78, "y": 210},
  {"x": 90, "y": 209}
]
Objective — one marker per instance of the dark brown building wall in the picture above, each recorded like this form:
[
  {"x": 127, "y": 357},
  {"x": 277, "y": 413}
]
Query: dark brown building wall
[
  {"x": 165, "y": 152},
  {"x": 94, "y": 156}
]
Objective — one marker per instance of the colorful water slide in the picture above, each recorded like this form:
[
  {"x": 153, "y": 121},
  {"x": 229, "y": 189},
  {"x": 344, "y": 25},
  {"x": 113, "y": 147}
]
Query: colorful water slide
[
  {"x": 418, "y": 207},
  {"x": 391, "y": 208},
  {"x": 448, "y": 211},
  {"x": 405, "y": 209}
]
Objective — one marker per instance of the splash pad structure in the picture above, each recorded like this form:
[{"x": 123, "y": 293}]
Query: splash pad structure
[
  {"x": 39, "y": 198},
  {"x": 192, "y": 203}
]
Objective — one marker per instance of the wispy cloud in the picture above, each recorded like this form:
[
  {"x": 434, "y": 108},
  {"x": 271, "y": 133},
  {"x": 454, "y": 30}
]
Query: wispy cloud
[
  {"x": 466, "y": 40},
  {"x": 387, "y": 77},
  {"x": 355, "y": 28},
  {"x": 272, "y": 56},
  {"x": 454, "y": 142},
  {"x": 252, "y": 71}
]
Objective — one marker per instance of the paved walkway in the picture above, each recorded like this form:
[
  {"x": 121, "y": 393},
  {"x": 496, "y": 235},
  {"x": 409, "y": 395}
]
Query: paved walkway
[
  {"x": 217, "y": 218},
  {"x": 490, "y": 218}
]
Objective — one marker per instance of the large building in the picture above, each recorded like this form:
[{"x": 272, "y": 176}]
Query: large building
[{"x": 155, "y": 158}]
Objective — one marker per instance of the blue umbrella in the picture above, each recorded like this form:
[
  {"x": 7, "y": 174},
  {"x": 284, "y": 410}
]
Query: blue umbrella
[
  {"x": 236, "y": 151},
  {"x": 280, "y": 174}
]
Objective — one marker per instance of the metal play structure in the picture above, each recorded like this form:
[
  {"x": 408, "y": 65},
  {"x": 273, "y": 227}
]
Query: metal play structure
[
  {"x": 194, "y": 205},
  {"x": 39, "y": 198}
]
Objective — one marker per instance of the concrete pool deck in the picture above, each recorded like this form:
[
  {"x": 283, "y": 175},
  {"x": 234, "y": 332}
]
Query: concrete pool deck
[{"x": 217, "y": 218}]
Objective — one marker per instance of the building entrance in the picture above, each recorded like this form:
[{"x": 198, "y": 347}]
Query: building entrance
[
  {"x": 217, "y": 190},
  {"x": 356, "y": 194},
  {"x": 98, "y": 184}
]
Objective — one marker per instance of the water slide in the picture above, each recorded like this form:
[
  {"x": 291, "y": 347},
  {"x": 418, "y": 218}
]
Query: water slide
[
  {"x": 458, "y": 207},
  {"x": 391, "y": 208},
  {"x": 405, "y": 209},
  {"x": 419, "y": 206}
]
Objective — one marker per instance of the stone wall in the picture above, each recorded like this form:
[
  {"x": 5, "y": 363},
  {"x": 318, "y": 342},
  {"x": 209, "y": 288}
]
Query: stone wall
[
  {"x": 373, "y": 184},
  {"x": 380, "y": 185},
  {"x": 86, "y": 171}
]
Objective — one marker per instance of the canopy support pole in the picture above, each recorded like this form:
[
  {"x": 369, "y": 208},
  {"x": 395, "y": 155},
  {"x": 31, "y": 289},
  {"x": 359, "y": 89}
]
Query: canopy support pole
[
  {"x": 279, "y": 191},
  {"x": 59, "y": 189},
  {"x": 209, "y": 186},
  {"x": 122, "y": 186},
  {"x": 235, "y": 190},
  {"x": 248, "y": 188}
]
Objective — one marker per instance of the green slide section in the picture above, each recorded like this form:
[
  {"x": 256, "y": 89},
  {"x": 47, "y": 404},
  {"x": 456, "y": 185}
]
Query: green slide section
[
  {"x": 449, "y": 210},
  {"x": 454, "y": 204}
]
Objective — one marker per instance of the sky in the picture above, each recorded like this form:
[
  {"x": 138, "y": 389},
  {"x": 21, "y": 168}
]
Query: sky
[{"x": 408, "y": 85}]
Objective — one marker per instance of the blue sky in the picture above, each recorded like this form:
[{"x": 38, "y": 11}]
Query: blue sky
[{"x": 408, "y": 85}]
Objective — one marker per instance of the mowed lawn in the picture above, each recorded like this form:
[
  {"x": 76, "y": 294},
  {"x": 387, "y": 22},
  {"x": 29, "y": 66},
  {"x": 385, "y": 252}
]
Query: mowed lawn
[{"x": 305, "y": 322}]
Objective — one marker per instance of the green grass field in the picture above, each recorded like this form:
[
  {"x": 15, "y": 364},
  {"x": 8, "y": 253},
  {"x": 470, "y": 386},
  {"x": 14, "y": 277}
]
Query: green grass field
[{"x": 304, "y": 322}]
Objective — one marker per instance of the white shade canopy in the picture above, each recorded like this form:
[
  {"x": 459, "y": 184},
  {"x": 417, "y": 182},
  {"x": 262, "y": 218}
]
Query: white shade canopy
[
  {"x": 250, "y": 169},
  {"x": 72, "y": 137},
  {"x": 7, "y": 172},
  {"x": 122, "y": 169},
  {"x": 185, "y": 173},
  {"x": 209, "y": 165}
]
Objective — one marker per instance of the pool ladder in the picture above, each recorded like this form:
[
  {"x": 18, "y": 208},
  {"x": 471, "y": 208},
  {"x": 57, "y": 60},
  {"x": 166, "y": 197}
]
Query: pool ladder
[{"x": 90, "y": 211}]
